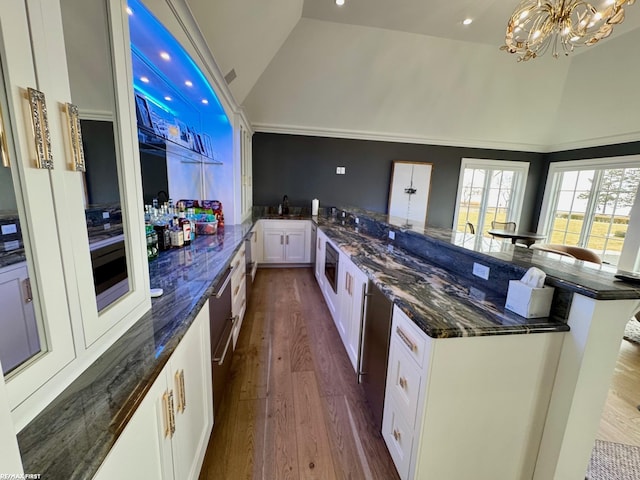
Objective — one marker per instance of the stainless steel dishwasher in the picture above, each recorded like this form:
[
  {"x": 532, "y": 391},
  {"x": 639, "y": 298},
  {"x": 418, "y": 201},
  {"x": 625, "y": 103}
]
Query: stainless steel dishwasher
[
  {"x": 221, "y": 324},
  {"x": 374, "y": 353}
]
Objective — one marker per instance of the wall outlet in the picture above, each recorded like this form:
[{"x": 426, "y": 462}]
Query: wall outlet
[
  {"x": 480, "y": 270},
  {"x": 341, "y": 170},
  {"x": 392, "y": 235},
  {"x": 357, "y": 220}
]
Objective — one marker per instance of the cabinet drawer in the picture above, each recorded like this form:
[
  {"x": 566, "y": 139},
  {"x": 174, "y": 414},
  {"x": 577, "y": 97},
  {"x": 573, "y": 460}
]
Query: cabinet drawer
[
  {"x": 238, "y": 290},
  {"x": 398, "y": 436},
  {"x": 413, "y": 340},
  {"x": 404, "y": 380}
]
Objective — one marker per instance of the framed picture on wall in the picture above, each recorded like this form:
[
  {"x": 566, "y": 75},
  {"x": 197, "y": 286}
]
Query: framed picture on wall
[
  {"x": 142, "y": 112},
  {"x": 409, "y": 191}
]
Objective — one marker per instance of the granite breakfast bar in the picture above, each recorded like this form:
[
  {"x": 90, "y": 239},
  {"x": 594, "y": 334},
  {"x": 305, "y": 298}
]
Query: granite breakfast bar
[{"x": 589, "y": 301}]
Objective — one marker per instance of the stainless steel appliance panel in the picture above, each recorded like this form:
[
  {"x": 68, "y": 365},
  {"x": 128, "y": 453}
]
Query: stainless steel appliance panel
[
  {"x": 331, "y": 266},
  {"x": 375, "y": 350},
  {"x": 221, "y": 324}
]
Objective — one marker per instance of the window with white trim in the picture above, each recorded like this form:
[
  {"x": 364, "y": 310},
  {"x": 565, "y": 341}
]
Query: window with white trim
[
  {"x": 489, "y": 190},
  {"x": 588, "y": 203}
]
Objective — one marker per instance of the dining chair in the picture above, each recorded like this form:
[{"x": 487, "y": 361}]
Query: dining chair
[
  {"x": 508, "y": 226},
  {"x": 471, "y": 228},
  {"x": 579, "y": 253}
]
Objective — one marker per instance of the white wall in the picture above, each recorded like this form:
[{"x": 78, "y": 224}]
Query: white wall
[
  {"x": 245, "y": 35},
  {"x": 338, "y": 78}
]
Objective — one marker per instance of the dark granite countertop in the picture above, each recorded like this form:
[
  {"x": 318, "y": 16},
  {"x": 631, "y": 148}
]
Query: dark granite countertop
[
  {"x": 442, "y": 304},
  {"x": 588, "y": 279},
  {"x": 72, "y": 436}
]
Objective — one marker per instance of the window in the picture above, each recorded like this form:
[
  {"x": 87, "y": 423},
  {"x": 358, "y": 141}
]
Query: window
[
  {"x": 489, "y": 190},
  {"x": 588, "y": 204}
]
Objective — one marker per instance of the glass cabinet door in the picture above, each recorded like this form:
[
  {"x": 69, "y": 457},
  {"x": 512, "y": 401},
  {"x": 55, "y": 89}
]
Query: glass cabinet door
[
  {"x": 73, "y": 244},
  {"x": 36, "y": 332}
]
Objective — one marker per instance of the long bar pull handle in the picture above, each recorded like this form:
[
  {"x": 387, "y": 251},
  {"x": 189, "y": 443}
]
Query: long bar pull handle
[
  {"x": 182, "y": 396},
  {"x": 281, "y": 239},
  {"x": 75, "y": 136},
  {"x": 405, "y": 338},
  {"x": 172, "y": 417},
  {"x": 4, "y": 150},
  {"x": 166, "y": 415},
  {"x": 287, "y": 239},
  {"x": 26, "y": 283},
  {"x": 40, "y": 124}
]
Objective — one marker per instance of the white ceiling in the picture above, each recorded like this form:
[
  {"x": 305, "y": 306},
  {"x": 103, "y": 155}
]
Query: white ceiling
[
  {"x": 437, "y": 18},
  {"x": 410, "y": 71}
]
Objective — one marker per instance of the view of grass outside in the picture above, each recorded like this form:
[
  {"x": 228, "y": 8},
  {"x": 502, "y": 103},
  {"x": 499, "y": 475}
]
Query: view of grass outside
[{"x": 473, "y": 210}]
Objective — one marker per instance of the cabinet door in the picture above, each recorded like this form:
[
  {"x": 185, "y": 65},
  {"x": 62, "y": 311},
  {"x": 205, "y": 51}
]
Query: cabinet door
[
  {"x": 295, "y": 246},
  {"x": 19, "y": 340},
  {"x": 138, "y": 452},
  {"x": 320, "y": 245},
  {"x": 273, "y": 246},
  {"x": 345, "y": 300},
  {"x": 190, "y": 370},
  {"x": 358, "y": 288},
  {"x": 28, "y": 229}
]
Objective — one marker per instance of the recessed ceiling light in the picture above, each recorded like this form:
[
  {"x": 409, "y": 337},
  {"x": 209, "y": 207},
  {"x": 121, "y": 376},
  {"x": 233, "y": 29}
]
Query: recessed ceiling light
[
  {"x": 129, "y": 11},
  {"x": 205, "y": 101},
  {"x": 340, "y": 2},
  {"x": 144, "y": 79},
  {"x": 188, "y": 83},
  {"x": 165, "y": 56},
  {"x": 467, "y": 21},
  {"x": 167, "y": 98}
]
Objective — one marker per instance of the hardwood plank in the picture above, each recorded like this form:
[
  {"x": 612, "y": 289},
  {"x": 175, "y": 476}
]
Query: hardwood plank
[
  {"x": 301, "y": 360},
  {"x": 247, "y": 437},
  {"x": 620, "y": 421},
  {"x": 314, "y": 452}
]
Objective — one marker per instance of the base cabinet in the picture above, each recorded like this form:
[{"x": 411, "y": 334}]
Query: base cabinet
[
  {"x": 321, "y": 240},
  {"x": 168, "y": 435},
  {"x": 238, "y": 291},
  {"x": 468, "y": 394},
  {"x": 286, "y": 241}
]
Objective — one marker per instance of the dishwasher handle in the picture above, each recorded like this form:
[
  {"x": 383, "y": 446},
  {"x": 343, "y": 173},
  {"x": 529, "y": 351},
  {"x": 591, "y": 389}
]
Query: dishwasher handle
[
  {"x": 225, "y": 340},
  {"x": 219, "y": 289}
]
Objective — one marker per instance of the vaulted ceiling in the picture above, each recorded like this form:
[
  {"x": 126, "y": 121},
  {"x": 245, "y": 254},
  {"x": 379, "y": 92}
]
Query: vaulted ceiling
[{"x": 410, "y": 71}]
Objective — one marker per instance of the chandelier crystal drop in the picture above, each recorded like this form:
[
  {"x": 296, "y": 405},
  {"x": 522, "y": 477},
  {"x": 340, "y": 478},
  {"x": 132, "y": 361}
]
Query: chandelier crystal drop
[{"x": 562, "y": 25}]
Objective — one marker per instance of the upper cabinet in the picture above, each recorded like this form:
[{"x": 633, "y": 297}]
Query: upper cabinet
[
  {"x": 73, "y": 272},
  {"x": 244, "y": 139}
]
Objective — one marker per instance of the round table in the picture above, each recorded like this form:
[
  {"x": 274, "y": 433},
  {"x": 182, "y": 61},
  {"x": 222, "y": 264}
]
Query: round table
[{"x": 527, "y": 238}]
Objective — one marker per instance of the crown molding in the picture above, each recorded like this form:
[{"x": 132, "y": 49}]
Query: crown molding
[
  {"x": 596, "y": 142},
  {"x": 386, "y": 137}
]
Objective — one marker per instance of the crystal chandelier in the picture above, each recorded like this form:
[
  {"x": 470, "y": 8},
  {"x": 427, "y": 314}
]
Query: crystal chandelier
[{"x": 562, "y": 24}]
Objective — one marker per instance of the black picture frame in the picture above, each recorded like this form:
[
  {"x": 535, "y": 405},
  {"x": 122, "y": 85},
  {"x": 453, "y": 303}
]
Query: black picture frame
[{"x": 142, "y": 112}]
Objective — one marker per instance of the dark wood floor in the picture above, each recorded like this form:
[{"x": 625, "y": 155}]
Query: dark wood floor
[{"x": 293, "y": 408}]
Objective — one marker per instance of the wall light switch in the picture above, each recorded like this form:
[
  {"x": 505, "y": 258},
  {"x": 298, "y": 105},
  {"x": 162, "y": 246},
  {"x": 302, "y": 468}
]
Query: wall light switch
[{"x": 392, "y": 235}]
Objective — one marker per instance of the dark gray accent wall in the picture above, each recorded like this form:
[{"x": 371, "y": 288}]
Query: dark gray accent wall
[
  {"x": 619, "y": 150},
  {"x": 305, "y": 168}
]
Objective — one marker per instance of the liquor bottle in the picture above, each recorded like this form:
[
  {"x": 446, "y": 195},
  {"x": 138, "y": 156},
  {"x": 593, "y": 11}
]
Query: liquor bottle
[{"x": 185, "y": 225}]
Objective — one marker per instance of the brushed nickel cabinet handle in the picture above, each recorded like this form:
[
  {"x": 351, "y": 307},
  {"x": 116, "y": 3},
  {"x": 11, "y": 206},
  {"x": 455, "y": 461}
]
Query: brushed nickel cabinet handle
[
  {"x": 287, "y": 239},
  {"x": 281, "y": 239},
  {"x": 405, "y": 338},
  {"x": 4, "y": 150},
  {"x": 75, "y": 136},
  {"x": 26, "y": 284},
  {"x": 318, "y": 244},
  {"x": 40, "y": 124}
]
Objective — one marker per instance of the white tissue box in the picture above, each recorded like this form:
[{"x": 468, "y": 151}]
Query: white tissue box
[{"x": 527, "y": 301}]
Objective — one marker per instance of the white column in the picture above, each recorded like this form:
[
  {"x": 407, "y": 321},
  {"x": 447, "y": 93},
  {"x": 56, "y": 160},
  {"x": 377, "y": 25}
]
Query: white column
[{"x": 587, "y": 360}]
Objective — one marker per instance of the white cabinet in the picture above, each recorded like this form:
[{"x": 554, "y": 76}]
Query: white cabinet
[
  {"x": 246, "y": 168},
  {"x": 40, "y": 76},
  {"x": 286, "y": 241},
  {"x": 168, "y": 435},
  {"x": 19, "y": 340},
  {"x": 238, "y": 291},
  {"x": 436, "y": 388},
  {"x": 347, "y": 303}
]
